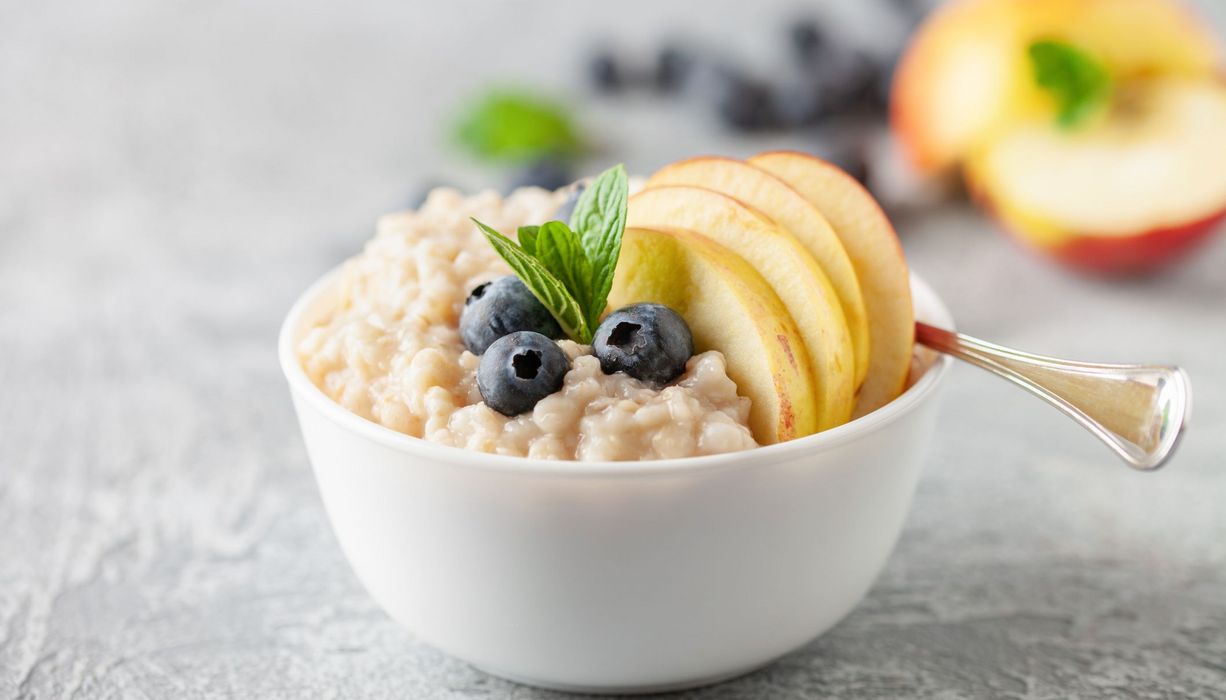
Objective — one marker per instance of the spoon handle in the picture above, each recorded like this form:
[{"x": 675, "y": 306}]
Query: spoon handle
[{"x": 1139, "y": 411}]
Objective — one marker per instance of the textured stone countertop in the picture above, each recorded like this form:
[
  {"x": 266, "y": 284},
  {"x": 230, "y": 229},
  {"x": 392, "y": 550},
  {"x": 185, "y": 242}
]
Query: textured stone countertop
[{"x": 172, "y": 175}]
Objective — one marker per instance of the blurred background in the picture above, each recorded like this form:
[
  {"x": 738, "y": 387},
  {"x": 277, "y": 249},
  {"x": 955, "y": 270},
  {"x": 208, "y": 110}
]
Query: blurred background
[{"x": 173, "y": 174}]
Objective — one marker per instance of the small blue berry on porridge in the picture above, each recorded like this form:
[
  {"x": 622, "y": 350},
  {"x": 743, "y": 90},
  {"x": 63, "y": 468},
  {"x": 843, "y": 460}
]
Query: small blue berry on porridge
[
  {"x": 499, "y": 307},
  {"x": 519, "y": 370},
  {"x": 649, "y": 342}
]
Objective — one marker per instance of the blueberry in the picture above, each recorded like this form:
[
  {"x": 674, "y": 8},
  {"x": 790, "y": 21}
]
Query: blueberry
[
  {"x": 498, "y": 308},
  {"x": 743, "y": 103},
  {"x": 548, "y": 173},
  {"x": 849, "y": 80},
  {"x": 879, "y": 96},
  {"x": 853, "y": 159},
  {"x": 876, "y": 99},
  {"x": 911, "y": 10},
  {"x": 649, "y": 342},
  {"x": 808, "y": 40},
  {"x": 520, "y": 369},
  {"x": 604, "y": 72},
  {"x": 568, "y": 205},
  {"x": 800, "y": 104},
  {"x": 671, "y": 69}
]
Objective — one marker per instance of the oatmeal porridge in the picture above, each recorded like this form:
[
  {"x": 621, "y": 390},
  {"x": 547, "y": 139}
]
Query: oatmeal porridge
[{"x": 389, "y": 349}]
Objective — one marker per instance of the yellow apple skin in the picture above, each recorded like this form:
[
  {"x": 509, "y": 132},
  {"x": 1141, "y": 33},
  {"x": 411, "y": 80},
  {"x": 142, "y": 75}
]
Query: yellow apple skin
[
  {"x": 966, "y": 76},
  {"x": 793, "y": 275},
  {"x": 877, "y": 256},
  {"x": 784, "y": 205},
  {"x": 1129, "y": 194},
  {"x": 729, "y": 308}
]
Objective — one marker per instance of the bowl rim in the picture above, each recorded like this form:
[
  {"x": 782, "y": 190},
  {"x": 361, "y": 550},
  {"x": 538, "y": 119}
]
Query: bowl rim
[{"x": 303, "y": 388}]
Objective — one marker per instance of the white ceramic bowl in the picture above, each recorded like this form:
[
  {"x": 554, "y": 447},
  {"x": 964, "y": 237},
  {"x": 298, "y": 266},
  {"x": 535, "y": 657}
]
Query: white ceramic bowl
[{"x": 618, "y": 576}]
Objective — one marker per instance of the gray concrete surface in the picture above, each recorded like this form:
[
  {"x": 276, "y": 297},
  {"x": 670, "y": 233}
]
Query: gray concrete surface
[{"x": 172, "y": 174}]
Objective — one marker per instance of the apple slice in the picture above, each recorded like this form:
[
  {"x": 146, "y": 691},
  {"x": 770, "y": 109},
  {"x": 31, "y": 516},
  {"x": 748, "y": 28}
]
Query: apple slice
[
  {"x": 729, "y": 308},
  {"x": 1121, "y": 196},
  {"x": 786, "y": 266},
  {"x": 771, "y": 196},
  {"x": 966, "y": 76},
  {"x": 875, "y": 253}
]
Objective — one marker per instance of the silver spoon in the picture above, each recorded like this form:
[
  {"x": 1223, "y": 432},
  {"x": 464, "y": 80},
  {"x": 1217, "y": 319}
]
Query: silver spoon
[{"x": 1139, "y": 411}]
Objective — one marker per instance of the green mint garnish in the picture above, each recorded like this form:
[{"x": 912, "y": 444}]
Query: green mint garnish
[
  {"x": 569, "y": 268},
  {"x": 517, "y": 126},
  {"x": 1080, "y": 83},
  {"x": 600, "y": 219}
]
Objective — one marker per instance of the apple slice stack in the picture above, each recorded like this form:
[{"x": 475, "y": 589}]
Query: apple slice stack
[
  {"x": 1127, "y": 190},
  {"x": 789, "y": 267}
]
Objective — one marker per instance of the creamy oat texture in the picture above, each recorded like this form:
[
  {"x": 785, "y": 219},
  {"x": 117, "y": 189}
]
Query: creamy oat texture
[{"x": 389, "y": 349}]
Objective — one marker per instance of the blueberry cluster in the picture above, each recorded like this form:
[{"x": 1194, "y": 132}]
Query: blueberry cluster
[
  {"x": 830, "y": 78},
  {"x": 521, "y": 364},
  {"x": 831, "y": 89}
]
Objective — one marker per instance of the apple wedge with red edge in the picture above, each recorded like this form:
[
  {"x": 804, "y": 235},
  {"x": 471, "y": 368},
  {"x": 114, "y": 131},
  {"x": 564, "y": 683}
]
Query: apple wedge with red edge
[
  {"x": 789, "y": 270},
  {"x": 870, "y": 242},
  {"x": 791, "y": 212}
]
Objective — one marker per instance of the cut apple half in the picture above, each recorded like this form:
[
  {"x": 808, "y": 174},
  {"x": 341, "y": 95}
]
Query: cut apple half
[
  {"x": 873, "y": 247},
  {"x": 1125, "y": 195},
  {"x": 787, "y": 267},
  {"x": 730, "y": 308},
  {"x": 787, "y": 208},
  {"x": 966, "y": 76}
]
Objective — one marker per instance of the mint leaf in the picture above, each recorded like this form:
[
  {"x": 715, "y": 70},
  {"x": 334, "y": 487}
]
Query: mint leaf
[
  {"x": 570, "y": 268},
  {"x": 543, "y": 284},
  {"x": 527, "y": 238},
  {"x": 1080, "y": 84},
  {"x": 516, "y": 126},
  {"x": 600, "y": 219},
  {"x": 558, "y": 248}
]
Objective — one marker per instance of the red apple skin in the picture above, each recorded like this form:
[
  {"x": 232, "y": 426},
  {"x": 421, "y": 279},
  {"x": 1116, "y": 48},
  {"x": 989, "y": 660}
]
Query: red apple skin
[
  {"x": 1126, "y": 255},
  {"x": 1137, "y": 254}
]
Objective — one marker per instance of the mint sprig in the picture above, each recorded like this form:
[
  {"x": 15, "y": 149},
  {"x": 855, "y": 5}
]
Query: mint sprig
[
  {"x": 569, "y": 267},
  {"x": 1080, "y": 83},
  {"x": 514, "y": 126}
]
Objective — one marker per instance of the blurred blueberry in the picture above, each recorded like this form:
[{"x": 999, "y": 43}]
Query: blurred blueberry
[
  {"x": 807, "y": 40},
  {"x": 672, "y": 67},
  {"x": 568, "y": 204},
  {"x": 741, "y": 102},
  {"x": 548, "y": 173},
  {"x": 850, "y": 79},
  {"x": 604, "y": 72},
  {"x": 853, "y": 159},
  {"x": 800, "y": 103},
  {"x": 910, "y": 10},
  {"x": 884, "y": 82},
  {"x": 877, "y": 97}
]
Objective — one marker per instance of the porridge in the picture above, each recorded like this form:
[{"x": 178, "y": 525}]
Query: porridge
[
  {"x": 726, "y": 304},
  {"x": 389, "y": 349}
]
